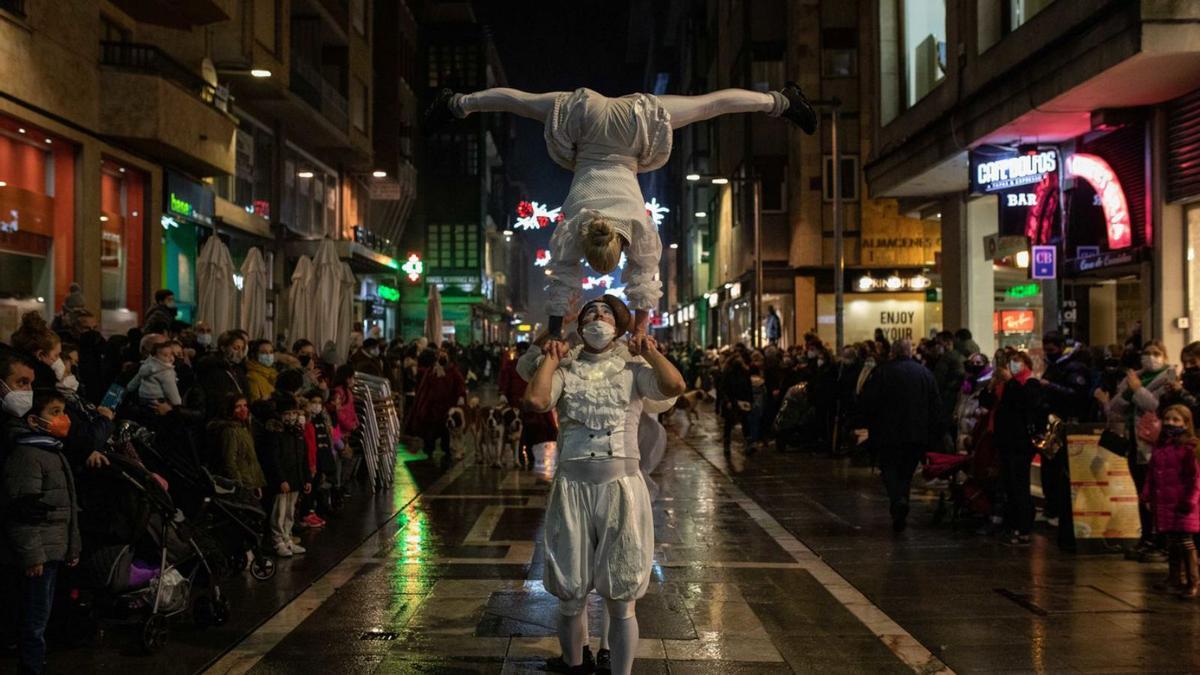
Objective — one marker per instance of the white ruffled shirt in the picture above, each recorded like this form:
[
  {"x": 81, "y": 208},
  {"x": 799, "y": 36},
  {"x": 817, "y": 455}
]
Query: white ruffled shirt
[{"x": 606, "y": 142}]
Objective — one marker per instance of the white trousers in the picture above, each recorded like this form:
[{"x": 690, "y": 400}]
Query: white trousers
[
  {"x": 684, "y": 110},
  {"x": 283, "y": 516}
]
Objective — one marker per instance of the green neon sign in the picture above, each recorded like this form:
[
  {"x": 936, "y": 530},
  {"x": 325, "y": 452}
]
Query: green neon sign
[
  {"x": 1023, "y": 291},
  {"x": 387, "y": 293},
  {"x": 180, "y": 206}
]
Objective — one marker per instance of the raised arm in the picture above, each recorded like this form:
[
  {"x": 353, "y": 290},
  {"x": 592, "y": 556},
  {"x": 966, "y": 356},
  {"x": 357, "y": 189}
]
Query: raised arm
[
  {"x": 539, "y": 395},
  {"x": 670, "y": 382}
]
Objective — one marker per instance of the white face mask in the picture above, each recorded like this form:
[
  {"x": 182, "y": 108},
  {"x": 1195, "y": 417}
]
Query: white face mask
[
  {"x": 1152, "y": 362},
  {"x": 204, "y": 339},
  {"x": 18, "y": 403},
  {"x": 1015, "y": 367},
  {"x": 68, "y": 385},
  {"x": 598, "y": 334},
  {"x": 60, "y": 369}
]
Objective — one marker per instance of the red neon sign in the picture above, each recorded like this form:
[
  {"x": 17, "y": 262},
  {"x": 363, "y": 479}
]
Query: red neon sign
[{"x": 1104, "y": 181}]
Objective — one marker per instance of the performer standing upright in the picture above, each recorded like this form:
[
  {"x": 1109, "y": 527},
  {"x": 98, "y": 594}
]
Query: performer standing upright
[
  {"x": 606, "y": 142},
  {"x": 599, "y": 531}
]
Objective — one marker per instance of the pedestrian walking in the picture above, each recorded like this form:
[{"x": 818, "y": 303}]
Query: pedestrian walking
[{"x": 904, "y": 412}]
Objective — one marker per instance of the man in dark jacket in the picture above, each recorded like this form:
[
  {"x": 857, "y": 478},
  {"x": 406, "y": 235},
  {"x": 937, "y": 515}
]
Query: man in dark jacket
[
  {"x": 1067, "y": 392},
  {"x": 161, "y": 314},
  {"x": 903, "y": 405},
  {"x": 220, "y": 374}
]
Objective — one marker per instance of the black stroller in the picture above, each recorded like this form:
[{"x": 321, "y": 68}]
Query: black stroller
[
  {"x": 113, "y": 589},
  {"x": 228, "y": 519}
]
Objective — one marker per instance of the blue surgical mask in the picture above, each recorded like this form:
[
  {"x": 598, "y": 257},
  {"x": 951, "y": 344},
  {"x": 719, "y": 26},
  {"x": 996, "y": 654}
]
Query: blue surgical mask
[{"x": 267, "y": 360}]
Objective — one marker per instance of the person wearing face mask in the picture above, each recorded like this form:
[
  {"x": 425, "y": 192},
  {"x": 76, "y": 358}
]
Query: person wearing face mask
[
  {"x": 366, "y": 358},
  {"x": 1131, "y": 412},
  {"x": 90, "y": 425},
  {"x": 161, "y": 315},
  {"x": 221, "y": 373},
  {"x": 204, "y": 337},
  {"x": 438, "y": 392},
  {"x": 260, "y": 370},
  {"x": 1019, "y": 415},
  {"x": 599, "y": 531},
  {"x": 1186, "y": 389},
  {"x": 34, "y": 339},
  {"x": 35, "y": 469},
  {"x": 235, "y": 445},
  {"x": 1067, "y": 382},
  {"x": 283, "y": 456},
  {"x": 1172, "y": 494}
]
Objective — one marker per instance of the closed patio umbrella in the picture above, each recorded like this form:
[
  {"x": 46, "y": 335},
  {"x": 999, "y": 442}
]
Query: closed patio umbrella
[
  {"x": 300, "y": 300},
  {"x": 345, "y": 314},
  {"x": 433, "y": 317},
  {"x": 326, "y": 293},
  {"x": 218, "y": 295},
  {"x": 254, "y": 296}
]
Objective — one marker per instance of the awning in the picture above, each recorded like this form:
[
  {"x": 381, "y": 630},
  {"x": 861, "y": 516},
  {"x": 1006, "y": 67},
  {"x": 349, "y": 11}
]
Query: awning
[
  {"x": 233, "y": 216},
  {"x": 362, "y": 259}
]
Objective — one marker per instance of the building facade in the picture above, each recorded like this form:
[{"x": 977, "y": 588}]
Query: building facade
[{"x": 1052, "y": 139}]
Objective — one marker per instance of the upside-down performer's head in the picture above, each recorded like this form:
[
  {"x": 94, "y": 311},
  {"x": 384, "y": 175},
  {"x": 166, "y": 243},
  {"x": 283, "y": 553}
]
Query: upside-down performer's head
[{"x": 602, "y": 244}]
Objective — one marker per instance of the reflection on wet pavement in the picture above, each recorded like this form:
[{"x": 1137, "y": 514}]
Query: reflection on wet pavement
[{"x": 454, "y": 586}]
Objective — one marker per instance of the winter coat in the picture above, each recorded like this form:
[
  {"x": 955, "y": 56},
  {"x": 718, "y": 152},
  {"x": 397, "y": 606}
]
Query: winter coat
[
  {"x": 35, "y": 465},
  {"x": 319, "y": 439},
  {"x": 261, "y": 380},
  {"x": 436, "y": 395},
  {"x": 347, "y": 416},
  {"x": 733, "y": 388},
  {"x": 902, "y": 406},
  {"x": 217, "y": 379},
  {"x": 236, "y": 445},
  {"x": 1172, "y": 487},
  {"x": 89, "y": 430},
  {"x": 1019, "y": 416},
  {"x": 159, "y": 317},
  {"x": 156, "y": 381},
  {"x": 1121, "y": 413},
  {"x": 1068, "y": 388},
  {"x": 283, "y": 455}
]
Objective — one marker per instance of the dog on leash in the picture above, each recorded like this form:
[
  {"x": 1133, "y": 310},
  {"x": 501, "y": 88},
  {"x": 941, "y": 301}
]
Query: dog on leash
[
  {"x": 513, "y": 428},
  {"x": 687, "y": 406}
]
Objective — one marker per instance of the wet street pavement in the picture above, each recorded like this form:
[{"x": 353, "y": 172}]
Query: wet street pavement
[{"x": 766, "y": 564}]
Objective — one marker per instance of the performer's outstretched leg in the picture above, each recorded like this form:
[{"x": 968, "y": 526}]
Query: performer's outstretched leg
[
  {"x": 789, "y": 102},
  {"x": 504, "y": 99},
  {"x": 622, "y": 635}
]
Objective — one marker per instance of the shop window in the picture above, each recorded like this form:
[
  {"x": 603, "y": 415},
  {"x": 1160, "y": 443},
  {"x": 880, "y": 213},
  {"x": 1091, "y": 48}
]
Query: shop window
[
  {"x": 998, "y": 18},
  {"x": 912, "y": 52},
  {"x": 849, "y": 178},
  {"x": 122, "y": 217}
]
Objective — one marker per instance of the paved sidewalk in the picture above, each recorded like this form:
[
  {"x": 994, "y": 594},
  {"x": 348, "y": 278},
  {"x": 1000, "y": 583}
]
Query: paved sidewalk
[{"x": 455, "y": 587}]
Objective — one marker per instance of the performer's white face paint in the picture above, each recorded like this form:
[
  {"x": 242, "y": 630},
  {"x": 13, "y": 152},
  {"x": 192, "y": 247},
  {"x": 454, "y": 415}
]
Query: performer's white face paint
[{"x": 597, "y": 326}]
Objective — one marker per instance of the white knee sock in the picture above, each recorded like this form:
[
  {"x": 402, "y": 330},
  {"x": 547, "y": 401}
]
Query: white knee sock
[
  {"x": 572, "y": 636},
  {"x": 605, "y": 622},
  {"x": 623, "y": 636}
]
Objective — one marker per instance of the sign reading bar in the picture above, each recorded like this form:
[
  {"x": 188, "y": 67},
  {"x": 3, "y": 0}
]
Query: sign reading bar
[{"x": 1045, "y": 262}]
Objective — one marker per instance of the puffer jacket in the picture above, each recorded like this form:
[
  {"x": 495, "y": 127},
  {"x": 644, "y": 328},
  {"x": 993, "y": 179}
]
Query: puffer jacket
[
  {"x": 283, "y": 455},
  {"x": 36, "y": 466},
  {"x": 156, "y": 381},
  {"x": 1172, "y": 487},
  {"x": 237, "y": 450},
  {"x": 261, "y": 380}
]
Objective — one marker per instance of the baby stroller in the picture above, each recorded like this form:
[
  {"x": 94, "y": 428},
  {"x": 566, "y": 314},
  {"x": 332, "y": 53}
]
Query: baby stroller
[
  {"x": 228, "y": 520},
  {"x": 160, "y": 575},
  {"x": 796, "y": 424}
]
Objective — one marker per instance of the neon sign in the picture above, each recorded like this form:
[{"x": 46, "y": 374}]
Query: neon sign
[
  {"x": 1104, "y": 181},
  {"x": 1023, "y": 291},
  {"x": 1009, "y": 172},
  {"x": 413, "y": 267},
  {"x": 387, "y": 293},
  {"x": 180, "y": 206}
]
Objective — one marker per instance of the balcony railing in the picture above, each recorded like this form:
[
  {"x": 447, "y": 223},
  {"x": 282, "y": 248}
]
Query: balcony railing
[
  {"x": 307, "y": 83},
  {"x": 145, "y": 58}
]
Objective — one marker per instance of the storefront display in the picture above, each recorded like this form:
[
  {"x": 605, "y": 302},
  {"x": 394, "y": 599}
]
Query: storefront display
[
  {"x": 187, "y": 218},
  {"x": 900, "y": 316},
  {"x": 37, "y": 213},
  {"x": 122, "y": 245}
]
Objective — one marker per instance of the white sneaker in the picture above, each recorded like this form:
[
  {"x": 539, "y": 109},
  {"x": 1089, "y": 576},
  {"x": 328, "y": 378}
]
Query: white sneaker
[
  {"x": 298, "y": 549},
  {"x": 283, "y": 551}
]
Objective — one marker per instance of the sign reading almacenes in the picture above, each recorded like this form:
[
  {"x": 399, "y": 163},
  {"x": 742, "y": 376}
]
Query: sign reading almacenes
[{"x": 1008, "y": 172}]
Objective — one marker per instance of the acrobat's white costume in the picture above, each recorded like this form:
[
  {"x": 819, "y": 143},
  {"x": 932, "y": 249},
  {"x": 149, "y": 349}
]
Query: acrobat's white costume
[
  {"x": 607, "y": 142},
  {"x": 599, "y": 531}
]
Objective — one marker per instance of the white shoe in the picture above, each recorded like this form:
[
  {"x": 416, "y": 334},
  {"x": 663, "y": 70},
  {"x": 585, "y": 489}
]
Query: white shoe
[
  {"x": 298, "y": 549},
  {"x": 283, "y": 551}
]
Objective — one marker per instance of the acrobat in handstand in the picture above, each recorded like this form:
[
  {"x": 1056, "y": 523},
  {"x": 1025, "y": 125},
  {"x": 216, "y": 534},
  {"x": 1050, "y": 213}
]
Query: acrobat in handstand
[{"x": 606, "y": 142}]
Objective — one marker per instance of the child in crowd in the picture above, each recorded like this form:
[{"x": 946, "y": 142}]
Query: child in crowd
[
  {"x": 156, "y": 381},
  {"x": 284, "y": 459},
  {"x": 235, "y": 445},
  {"x": 346, "y": 418},
  {"x": 37, "y": 473},
  {"x": 321, "y": 457},
  {"x": 1172, "y": 492}
]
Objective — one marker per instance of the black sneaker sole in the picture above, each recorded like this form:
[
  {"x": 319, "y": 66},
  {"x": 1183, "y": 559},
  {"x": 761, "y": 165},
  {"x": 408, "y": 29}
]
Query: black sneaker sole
[
  {"x": 800, "y": 112},
  {"x": 438, "y": 115}
]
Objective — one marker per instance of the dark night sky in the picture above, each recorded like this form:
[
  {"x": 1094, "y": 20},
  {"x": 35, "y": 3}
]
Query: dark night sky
[{"x": 556, "y": 46}]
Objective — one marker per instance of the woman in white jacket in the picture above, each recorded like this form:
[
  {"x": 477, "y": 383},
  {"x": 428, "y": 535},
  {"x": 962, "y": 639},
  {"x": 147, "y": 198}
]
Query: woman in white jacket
[{"x": 606, "y": 142}]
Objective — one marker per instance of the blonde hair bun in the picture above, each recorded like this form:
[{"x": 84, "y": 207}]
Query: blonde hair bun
[{"x": 601, "y": 245}]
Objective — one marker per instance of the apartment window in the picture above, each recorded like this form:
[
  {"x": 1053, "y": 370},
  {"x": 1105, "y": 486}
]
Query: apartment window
[
  {"x": 16, "y": 7},
  {"x": 839, "y": 52},
  {"x": 359, "y": 98},
  {"x": 112, "y": 31},
  {"x": 452, "y": 247},
  {"x": 849, "y": 178},
  {"x": 912, "y": 52},
  {"x": 454, "y": 65},
  {"x": 453, "y": 155},
  {"x": 998, "y": 18}
]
